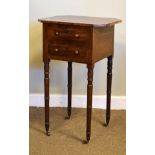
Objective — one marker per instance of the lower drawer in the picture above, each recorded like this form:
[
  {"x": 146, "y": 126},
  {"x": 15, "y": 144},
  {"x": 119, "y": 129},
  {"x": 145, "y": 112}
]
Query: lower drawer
[{"x": 66, "y": 51}]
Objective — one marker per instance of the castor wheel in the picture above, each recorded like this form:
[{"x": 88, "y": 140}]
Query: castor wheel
[
  {"x": 67, "y": 117},
  {"x": 47, "y": 133},
  {"x": 85, "y": 141}
]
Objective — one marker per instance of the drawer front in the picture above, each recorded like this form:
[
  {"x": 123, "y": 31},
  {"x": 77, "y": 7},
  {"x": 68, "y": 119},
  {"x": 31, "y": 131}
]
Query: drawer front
[
  {"x": 58, "y": 32},
  {"x": 67, "y": 51},
  {"x": 68, "y": 42}
]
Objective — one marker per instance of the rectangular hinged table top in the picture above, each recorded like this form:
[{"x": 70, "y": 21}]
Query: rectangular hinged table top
[{"x": 81, "y": 20}]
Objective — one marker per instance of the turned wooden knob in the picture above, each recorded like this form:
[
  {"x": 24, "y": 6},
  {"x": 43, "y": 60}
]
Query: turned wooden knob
[
  {"x": 56, "y": 49},
  {"x": 57, "y": 33},
  {"x": 77, "y": 35},
  {"x": 76, "y": 52}
]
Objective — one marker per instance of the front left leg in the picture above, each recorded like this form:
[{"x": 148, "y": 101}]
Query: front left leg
[{"x": 89, "y": 101}]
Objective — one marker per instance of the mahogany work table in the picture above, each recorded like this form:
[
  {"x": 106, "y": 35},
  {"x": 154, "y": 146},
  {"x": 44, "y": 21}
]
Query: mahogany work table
[{"x": 83, "y": 40}]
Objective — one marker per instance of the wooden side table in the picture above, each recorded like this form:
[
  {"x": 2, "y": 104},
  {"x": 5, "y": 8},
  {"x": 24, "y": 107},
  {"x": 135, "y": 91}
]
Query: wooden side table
[{"x": 83, "y": 40}]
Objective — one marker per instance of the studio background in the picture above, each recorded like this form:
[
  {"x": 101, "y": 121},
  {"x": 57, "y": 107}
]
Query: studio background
[{"x": 58, "y": 69}]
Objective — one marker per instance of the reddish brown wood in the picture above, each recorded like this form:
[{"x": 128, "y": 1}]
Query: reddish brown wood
[
  {"x": 91, "y": 45},
  {"x": 83, "y": 40},
  {"x": 45, "y": 42},
  {"x": 109, "y": 83},
  {"x": 89, "y": 101},
  {"x": 103, "y": 42},
  {"x": 59, "y": 32},
  {"x": 67, "y": 51},
  {"x": 69, "y": 89},
  {"x": 62, "y": 42},
  {"x": 81, "y": 20},
  {"x": 46, "y": 87}
]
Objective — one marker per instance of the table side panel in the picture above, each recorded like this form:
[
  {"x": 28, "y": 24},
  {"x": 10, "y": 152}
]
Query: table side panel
[{"x": 103, "y": 42}]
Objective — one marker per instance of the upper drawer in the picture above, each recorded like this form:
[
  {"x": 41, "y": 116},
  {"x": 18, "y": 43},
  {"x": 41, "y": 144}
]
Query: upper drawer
[{"x": 57, "y": 32}]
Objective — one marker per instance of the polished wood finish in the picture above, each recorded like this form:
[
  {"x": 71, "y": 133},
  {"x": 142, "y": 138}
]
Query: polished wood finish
[
  {"x": 69, "y": 89},
  {"x": 83, "y": 40},
  {"x": 62, "y": 32},
  {"x": 89, "y": 101},
  {"x": 46, "y": 87},
  {"x": 81, "y": 20},
  {"x": 109, "y": 83},
  {"x": 83, "y": 44},
  {"x": 68, "y": 42},
  {"x": 103, "y": 41}
]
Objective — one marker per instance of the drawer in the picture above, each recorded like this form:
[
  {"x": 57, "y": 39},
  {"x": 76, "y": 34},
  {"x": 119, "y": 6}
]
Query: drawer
[
  {"x": 58, "y": 32},
  {"x": 67, "y": 51},
  {"x": 67, "y": 42}
]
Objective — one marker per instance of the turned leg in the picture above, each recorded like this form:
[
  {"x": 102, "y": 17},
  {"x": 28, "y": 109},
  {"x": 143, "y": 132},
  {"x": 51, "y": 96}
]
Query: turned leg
[
  {"x": 109, "y": 82},
  {"x": 69, "y": 89},
  {"x": 89, "y": 101},
  {"x": 46, "y": 91}
]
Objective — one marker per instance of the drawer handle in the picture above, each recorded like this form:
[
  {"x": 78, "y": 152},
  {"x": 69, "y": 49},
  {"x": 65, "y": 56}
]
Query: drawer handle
[
  {"x": 77, "y": 35},
  {"x": 77, "y": 52},
  {"x": 56, "y": 49},
  {"x": 56, "y": 33}
]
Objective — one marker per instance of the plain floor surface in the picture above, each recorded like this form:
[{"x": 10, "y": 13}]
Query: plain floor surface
[{"x": 67, "y": 135}]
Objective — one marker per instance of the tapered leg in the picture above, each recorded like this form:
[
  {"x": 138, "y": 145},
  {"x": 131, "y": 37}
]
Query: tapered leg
[
  {"x": 89, "y": 101},
  {"x": 109, "y": 82},
  {"x": 69, "y": 89},
  {"x": 46, "y": 91}
]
